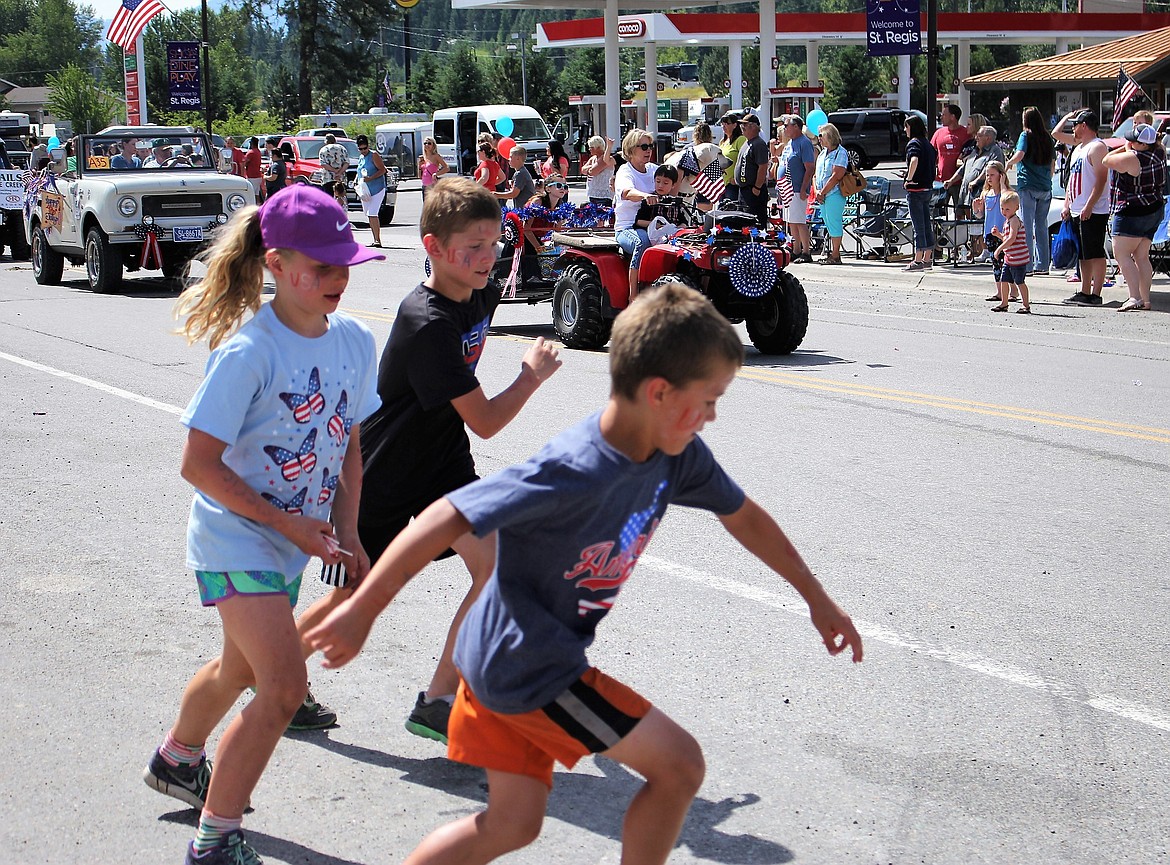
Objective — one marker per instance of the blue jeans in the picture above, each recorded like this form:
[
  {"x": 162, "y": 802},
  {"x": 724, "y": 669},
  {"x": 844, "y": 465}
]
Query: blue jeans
[
  {"x": 1034, "y": 205},
  {"x": 920, "y": 216},
  {"x": 634, "y": 242}
]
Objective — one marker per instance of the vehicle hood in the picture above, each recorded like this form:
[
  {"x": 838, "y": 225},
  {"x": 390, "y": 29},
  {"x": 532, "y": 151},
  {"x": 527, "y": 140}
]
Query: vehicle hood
[{"x": 170, "y": 182}]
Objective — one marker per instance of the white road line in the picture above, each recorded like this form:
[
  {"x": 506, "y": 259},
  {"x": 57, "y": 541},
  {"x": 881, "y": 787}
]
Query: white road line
[
  {"x": 97, "y": 385},
  {"x": 967, "y": 660}
]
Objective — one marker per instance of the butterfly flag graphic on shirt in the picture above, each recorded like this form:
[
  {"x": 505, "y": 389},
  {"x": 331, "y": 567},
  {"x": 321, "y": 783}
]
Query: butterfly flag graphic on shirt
[
  {"x": 784, "y": 190},
  {"x": 709, "y": 183},
  {"x": 1127, "y": 89},
  {"x": 130, "y": 20}
]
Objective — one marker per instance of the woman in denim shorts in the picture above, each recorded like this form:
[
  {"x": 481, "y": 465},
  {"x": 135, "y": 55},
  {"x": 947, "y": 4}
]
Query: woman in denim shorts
[{"x": 1139, "y": 184}]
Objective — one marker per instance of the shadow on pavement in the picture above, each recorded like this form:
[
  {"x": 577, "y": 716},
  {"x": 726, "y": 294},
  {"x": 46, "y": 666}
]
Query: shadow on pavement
[
  {"x": 594, "y": 804},
  {"x": 266, "y": 845},
  {"x": 797, "y": 360}
]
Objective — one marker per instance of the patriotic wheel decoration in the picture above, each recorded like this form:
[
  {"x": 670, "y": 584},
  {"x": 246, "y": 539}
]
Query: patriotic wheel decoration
[
  {"x": 513, "y": 227},
  {"x": 753, "y": 270}
]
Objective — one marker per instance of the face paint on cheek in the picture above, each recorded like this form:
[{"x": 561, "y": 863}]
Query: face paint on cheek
[{"x": 689, "y": 419}]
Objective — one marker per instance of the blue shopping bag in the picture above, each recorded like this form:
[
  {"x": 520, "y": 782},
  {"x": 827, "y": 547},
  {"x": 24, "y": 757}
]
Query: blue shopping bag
[
  {"x": 1065, "y": 246},
  {"x": 1163, "y": 232}
]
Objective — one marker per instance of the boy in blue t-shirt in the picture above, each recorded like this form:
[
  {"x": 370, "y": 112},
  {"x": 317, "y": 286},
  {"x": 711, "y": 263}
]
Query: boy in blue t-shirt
[{"x": 571, "y": 523}]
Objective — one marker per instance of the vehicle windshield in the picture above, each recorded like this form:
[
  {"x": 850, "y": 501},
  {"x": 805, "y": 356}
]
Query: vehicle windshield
[
  {"x": 527, "y": 129},
  {"x": 312, "y": 149},
  {"x": 130, "y": 153}
]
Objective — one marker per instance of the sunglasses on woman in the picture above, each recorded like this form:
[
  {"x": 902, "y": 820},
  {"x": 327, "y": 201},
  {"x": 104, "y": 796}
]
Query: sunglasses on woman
[
  {"x": 646, "y": 146},
  {"x": 557, "y": 185}
]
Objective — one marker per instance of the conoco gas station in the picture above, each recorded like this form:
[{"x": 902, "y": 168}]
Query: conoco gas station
[{"x": 734, "y": 31}]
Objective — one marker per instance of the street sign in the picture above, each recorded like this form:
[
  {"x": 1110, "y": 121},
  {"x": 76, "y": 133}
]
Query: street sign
[
  {"x": 663, "y": 109},
  {"x": 775, "y": 62},
  {"x": 661, "y": 86},
  {"x": 726, "y": 82},
  {"x": 743, "y": 83}
]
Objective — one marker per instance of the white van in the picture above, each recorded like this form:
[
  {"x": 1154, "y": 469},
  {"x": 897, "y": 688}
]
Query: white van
[
  {"x": 456, "y": 129},
  {"x": 401, "y": 144}
]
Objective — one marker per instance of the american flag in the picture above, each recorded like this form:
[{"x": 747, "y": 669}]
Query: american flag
[
  {"x": 784, "y": 190},
  {"x": 688, "y": 163},
  {"x": 709, "y": 183},
  {"x": 1127, "y": 89},
  {"x": 386, "y": 87},
  {"x": 130, "y": 20}
]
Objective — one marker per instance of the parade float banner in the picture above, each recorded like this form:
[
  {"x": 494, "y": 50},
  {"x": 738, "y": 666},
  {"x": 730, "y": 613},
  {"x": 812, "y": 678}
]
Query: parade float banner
[
  {"x": 52, "y": 210},
  {"x": 184, "y": 87},
  {"x": 11, "y": 190},
  {"x": 894, "y": 27}
]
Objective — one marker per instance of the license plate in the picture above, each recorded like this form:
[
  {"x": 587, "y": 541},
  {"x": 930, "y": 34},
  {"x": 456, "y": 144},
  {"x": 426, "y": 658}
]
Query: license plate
[{"x": 188, "y": 234}]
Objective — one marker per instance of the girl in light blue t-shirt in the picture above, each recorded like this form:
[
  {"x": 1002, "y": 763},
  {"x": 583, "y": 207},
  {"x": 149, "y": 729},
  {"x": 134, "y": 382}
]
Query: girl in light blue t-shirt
[{"x": 272, "y": 446}]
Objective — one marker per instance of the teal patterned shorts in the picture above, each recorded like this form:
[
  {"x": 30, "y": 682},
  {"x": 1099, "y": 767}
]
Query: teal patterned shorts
[{"x": 215, "y": 586}]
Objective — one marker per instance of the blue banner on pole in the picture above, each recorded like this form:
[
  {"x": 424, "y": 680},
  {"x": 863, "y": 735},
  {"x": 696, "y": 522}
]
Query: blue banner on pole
[
  {"x": 894, "y": 27},
  {"x": 184, "y": 88}
]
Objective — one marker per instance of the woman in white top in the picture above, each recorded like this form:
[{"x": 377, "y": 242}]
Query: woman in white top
[
  {"x": 633, "y": 184},
  {"x": 598, "y": 170}
]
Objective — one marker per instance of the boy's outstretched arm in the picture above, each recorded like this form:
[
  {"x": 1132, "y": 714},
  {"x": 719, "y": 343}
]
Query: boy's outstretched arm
[
  {"x": 343, "y": 633},
  {"x": 486, "y": 417},
  {"x": 760, "y": 535}
]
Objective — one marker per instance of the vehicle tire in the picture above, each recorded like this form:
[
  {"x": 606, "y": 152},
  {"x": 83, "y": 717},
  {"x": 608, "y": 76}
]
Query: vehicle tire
[
  {"x": 301, "y": 179},
  {"x": 103, "y": 263},
  {"x": 783, "y": 321},
  {"x": 17, "y": 245},
  {"x": 48, "y": 264},
  {"x": 677, "y": 277},
  {"x": 385, "y": 214},
  {"x": 857, "y": 156},
  {"x": 577, "y": 308}
]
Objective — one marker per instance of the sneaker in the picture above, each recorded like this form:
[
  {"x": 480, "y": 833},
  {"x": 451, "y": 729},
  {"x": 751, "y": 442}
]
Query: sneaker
[
  {"x": 312, "y": 715},
  {"x": 914, "y": 266},
  {"x": 1094, "y": 299},
  {"x": 1073, "y": 277},
  {"x": 186, "y": 783},
  {"x": 429, "y": 720},
  {"x": 1079, "y": 297},
  {"x": 231, "y": 850},
  {"x": 983, "y": 258}
]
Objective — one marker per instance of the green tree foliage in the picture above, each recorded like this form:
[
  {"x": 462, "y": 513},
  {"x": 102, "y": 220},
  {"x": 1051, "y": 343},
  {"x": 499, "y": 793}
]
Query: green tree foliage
[
  {"x": 76, "y": 98},
  {"x": 583, "y": 75},
  {"x": 423, "y": 74},
  {"x": 850, "y": 75},
  {"x": 281, "y": 97},
  {"x": 40, "y": 37},
  {"x": 542, "y": 85},
  {"x": 461, "y": 80}
]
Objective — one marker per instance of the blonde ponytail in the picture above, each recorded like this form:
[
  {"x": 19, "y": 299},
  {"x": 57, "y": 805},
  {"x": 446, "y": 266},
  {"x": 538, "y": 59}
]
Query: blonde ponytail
[{"x": 232, "y": 287}]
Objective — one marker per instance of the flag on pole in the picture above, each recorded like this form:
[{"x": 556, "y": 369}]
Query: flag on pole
[
  {"x": 709, "y": 183},
  {"x": 130, "y": 20},
  {"x": 386, "y": 87},
  {"x": 1127, "y": 89}
]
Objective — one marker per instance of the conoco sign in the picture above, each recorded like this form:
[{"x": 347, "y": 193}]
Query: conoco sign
[{"x": 631, "y": 28}]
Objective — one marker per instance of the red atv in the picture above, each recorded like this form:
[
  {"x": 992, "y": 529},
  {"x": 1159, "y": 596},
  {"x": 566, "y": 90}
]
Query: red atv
[{"x": 739, "y": 266}]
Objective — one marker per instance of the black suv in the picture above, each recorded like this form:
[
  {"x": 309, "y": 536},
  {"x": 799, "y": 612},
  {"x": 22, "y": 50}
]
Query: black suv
[{"x": 871, "y": 134}]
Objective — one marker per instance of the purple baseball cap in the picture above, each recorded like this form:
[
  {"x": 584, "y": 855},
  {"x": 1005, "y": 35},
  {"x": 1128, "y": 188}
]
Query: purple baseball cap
[{"x": 303, "y": 218}]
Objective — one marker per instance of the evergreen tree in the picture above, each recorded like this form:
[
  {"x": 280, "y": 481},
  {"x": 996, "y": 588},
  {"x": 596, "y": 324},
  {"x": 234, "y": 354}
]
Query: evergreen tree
[
  {"x": 583, "y": 75},
  {"x": 42, "y": 37},
  {"x": 461, "y": 80},
  {"x": 281, "y": 97},
  {"x": 542, "y": 85},
  {"x": 850, "y": 74},
  {"x": 423, "y": 73}
]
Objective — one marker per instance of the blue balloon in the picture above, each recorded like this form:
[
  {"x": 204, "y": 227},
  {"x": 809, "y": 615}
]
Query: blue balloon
[
  {"x": 53, "y": 142},
  {"x": 815, "y": 119},
  {"x": 504, "y": 126}
]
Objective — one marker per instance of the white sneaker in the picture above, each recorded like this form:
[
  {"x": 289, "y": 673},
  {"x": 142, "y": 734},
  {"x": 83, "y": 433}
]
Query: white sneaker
[{"x": 983, "y": 258}]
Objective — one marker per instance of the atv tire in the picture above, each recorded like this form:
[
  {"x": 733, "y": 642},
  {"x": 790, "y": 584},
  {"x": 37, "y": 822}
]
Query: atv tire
[
  {"x": 782, "y": 321},
  {"x": 578, "y": 308}
]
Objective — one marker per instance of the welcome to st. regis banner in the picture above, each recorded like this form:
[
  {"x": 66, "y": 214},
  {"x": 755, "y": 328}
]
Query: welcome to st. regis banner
[{"x": 895, "y": 27}]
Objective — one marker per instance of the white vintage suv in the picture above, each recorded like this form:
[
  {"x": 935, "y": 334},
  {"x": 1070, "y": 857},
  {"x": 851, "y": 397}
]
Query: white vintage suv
[{"x": 130, "y": 203}]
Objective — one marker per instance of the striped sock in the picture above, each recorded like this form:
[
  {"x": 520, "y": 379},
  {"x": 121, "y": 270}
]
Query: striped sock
[
  {"x": 175, "y": 753},
  {"x": 211, "y": 830}
]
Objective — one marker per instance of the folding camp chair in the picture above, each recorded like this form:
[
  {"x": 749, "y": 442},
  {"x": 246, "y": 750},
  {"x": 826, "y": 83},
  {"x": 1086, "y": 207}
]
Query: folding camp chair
[{"x": 880, "y": 226}]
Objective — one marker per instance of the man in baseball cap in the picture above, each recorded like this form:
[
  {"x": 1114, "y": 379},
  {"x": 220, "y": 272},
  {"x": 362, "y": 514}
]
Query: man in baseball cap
[{"x": 1086, "y": 201}]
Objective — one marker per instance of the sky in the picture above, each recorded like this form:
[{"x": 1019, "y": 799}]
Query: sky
[{"x": 104, "y": 9}]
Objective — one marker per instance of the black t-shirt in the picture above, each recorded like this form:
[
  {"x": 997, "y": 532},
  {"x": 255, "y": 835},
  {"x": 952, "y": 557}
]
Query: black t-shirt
[
  {"x": 927, "y": 164},
  {"x": 752, "y": 155},
  {"x": 415, "y": 446},
  {"x": 279, "y": 170}
]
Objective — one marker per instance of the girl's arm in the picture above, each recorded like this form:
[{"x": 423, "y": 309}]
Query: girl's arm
[
  {"x": 203, "y": 467},
  {"x": 345, "y": 507},
  {"x": 758, "y": 533},
  {"x": 343, "y": 633}
]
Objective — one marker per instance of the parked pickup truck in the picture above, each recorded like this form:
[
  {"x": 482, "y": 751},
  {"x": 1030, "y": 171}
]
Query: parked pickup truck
[
  {"x": 114, "y": 212},
  {"x": 305, "y": 167}
]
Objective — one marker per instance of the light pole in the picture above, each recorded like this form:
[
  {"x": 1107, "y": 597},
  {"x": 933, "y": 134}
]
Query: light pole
[{"x": 523, "y": 65}]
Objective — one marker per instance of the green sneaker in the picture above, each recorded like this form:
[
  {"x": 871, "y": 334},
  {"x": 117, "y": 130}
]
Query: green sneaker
[
  {"x": 429, "y": 720},
  {"x": 312, "y": 715}
]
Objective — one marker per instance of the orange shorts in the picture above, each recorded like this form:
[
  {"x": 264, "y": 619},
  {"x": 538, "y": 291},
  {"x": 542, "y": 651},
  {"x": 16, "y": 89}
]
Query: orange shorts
[{"x": 592, "y": 716}]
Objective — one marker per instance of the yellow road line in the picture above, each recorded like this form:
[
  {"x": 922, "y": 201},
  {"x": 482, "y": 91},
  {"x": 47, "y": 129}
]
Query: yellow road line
[{"x": 1153, "y": 434}]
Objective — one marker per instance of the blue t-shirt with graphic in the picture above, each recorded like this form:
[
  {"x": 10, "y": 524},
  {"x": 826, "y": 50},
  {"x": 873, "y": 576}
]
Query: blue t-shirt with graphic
[
  {"x": 285, "y": 405},
  {"x": 572, "y": 521}
]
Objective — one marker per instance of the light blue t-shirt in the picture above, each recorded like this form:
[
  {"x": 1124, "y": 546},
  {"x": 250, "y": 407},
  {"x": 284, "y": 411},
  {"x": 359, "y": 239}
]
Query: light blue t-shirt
[
  {"x": 285, "y": 405},
  {"x": 992, "y": 215},
  {"x": 572, "y": 521},
  {"x": 1030, "y": 175},
  {"x": 826, "y": 162},
  {"x": 796, "y": 153}
]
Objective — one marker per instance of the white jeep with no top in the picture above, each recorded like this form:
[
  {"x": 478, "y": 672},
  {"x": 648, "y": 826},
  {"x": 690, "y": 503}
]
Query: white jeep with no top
[{"x": 129, "y": 203}]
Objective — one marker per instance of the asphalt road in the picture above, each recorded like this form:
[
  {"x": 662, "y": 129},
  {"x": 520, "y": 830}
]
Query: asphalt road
[{"x": 985, "y": 494}]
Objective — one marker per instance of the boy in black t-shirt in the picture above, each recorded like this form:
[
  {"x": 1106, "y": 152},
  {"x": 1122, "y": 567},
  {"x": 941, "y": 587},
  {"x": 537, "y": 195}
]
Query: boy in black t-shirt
[
  {"x": 668, "y": 206},
  {"x": 415, "y": 448}
]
